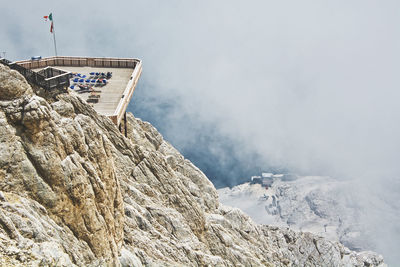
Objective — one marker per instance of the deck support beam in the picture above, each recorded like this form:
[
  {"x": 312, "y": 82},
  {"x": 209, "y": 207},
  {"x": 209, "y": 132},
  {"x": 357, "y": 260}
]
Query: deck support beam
[{"x": 125, "y": 125}]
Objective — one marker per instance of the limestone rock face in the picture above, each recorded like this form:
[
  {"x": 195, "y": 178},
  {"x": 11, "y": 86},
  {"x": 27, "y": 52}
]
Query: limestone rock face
[
  {"x": 74, "y": 191},
  {"x": 62, "y": 163},
  {"x": 12, "y": 84}
]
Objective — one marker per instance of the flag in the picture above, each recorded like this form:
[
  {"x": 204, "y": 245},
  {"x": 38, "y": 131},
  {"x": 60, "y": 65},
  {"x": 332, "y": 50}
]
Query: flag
[{"x": 50, "y": 17}]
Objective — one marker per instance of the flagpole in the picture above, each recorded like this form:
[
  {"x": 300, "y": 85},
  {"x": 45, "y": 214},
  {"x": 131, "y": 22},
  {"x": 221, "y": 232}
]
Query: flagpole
[{"x": 54, "y": 37}]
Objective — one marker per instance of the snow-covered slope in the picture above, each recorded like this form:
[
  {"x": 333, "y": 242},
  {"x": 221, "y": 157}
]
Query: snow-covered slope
[{"x": 311, "y": 203}]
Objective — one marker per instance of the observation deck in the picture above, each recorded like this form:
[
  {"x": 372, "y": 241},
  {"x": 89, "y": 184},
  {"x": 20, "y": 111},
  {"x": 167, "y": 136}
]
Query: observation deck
[{"x": 111, "y": 97}]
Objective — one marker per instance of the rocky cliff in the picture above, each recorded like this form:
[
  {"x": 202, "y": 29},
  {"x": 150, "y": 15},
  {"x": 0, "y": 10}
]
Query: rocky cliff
[{"x": 74, "y": 191}]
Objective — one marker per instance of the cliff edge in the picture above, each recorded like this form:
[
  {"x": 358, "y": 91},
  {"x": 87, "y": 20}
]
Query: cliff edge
[{"x": 75, "y": 191}]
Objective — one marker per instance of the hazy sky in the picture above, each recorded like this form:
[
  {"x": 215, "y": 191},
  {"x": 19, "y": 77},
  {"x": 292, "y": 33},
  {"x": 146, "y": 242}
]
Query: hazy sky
[{"x": 309, "y": 86}]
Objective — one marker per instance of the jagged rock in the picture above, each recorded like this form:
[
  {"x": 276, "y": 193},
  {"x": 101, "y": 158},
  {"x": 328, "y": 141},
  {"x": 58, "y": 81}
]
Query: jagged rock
[
  {"x": 12, "y": 84},
  {"x": 74, "y": 191}
]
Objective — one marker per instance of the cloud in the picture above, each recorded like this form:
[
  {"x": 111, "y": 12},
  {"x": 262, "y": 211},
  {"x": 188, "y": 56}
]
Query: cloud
[{"x": 310, "y": 86}]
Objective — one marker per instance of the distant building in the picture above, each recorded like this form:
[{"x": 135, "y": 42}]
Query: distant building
[
  {"x": 256, "y": 180},
  {"x": 267, "y": 179}
]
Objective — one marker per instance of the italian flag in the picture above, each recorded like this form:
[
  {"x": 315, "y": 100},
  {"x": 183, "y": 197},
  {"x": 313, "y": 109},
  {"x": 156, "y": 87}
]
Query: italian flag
[{"x": 50, "y": 17}]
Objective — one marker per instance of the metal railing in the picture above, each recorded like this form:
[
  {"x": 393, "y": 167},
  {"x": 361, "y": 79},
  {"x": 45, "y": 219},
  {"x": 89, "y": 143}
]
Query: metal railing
[
  {"x": 94, "y": 62},
  {"x": 61, "y": 81},
  {"x": 50, "y": 72}
]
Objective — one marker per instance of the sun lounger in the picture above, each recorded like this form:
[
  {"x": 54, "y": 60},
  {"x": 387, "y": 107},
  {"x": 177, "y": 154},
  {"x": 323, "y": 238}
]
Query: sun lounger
[
  {"x": 83, "y": 91},
  {"x": 92, "y": 100},
  {"x": 94, "y": 96}
]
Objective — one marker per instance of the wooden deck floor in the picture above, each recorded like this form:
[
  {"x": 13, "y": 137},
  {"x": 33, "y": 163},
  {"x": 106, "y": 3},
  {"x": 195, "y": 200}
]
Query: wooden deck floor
[{"x": 111, "y": 93}]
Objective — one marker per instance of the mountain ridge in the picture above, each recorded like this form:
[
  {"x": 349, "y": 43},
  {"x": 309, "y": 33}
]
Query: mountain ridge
[{"x": 75, "y": 191}]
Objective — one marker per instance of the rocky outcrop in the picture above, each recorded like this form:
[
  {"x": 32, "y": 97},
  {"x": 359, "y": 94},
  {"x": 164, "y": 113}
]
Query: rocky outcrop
[
  {"x": 62, "y": 163},
  {"x": 74, "y": 191},
  {"x": 12, "y": 85}
]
